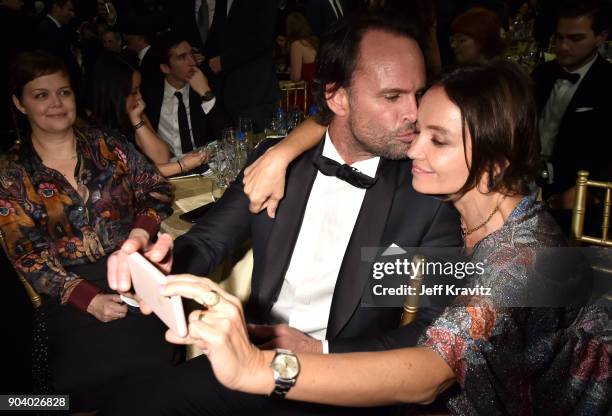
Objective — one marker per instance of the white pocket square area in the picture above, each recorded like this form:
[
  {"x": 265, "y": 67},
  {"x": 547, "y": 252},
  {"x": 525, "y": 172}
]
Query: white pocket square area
[{"x": 584, "y": 109}]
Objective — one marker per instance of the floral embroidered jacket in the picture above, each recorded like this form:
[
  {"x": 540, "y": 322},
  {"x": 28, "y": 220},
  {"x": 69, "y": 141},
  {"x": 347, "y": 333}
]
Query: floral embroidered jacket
[{"x": 48, "y": 225}]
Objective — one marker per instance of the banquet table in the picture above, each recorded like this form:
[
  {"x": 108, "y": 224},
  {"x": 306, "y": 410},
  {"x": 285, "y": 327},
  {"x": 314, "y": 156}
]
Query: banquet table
[{"x": 234, "y": 274}]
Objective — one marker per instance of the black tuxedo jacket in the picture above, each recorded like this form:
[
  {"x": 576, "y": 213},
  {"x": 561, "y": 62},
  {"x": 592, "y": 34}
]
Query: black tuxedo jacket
[
  {"x": 583, "y": 140},
  {"x": 206, "y": 127},
  {"x": 392, "y": 212}
]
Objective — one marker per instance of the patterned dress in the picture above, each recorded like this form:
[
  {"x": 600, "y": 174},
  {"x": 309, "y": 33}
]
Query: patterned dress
[{"x": 523, "y": 360}]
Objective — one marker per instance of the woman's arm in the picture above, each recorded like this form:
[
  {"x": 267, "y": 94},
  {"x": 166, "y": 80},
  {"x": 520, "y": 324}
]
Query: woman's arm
[
  {"x": 410, "y": 375},
  {"x": 296, "y": 52},
  {"x": 188, "y": 162},
  {"x": 146, "y": 139},
  {"x": 264, "y": 179}
]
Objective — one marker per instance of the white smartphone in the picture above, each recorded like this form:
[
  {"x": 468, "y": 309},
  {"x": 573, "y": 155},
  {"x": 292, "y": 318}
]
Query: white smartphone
[
  {"x": 146, "y": 280},
  {"x": 107, "y": 8}
]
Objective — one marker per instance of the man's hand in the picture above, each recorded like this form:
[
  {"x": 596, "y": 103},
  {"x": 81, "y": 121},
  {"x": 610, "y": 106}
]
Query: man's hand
[
  {"x": 199, "y": 82},
  {"x": 284, "y": 336},
  {"x": 160, "y": 254},
  {"x": 215, "y": 64},
  {"x": 107, "y": 308}
]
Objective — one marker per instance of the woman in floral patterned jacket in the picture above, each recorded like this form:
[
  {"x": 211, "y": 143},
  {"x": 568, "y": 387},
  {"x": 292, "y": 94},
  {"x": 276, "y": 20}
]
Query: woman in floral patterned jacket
[{"x": 68, "y": 198}]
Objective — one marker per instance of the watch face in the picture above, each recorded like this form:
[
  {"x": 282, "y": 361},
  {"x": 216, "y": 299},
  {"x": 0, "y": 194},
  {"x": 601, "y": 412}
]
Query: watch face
[{"x": 286, "y": 366}]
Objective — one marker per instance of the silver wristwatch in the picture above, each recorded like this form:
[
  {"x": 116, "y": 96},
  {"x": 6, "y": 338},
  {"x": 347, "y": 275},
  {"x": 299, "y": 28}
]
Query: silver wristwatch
[{"x": 285, "y": 368}]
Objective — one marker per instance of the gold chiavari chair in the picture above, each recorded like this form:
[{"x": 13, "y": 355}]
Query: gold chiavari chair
[
  {"x": 600, "y": 257},
  {"x": 293, "y": 94},
  {"x": 32, "y": 294},
  {"x": 578, "y": 214},
  {"x": 411, "y": 303}
]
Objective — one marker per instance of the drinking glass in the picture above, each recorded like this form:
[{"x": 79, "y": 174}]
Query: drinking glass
[{"x": 245, "y": 125}]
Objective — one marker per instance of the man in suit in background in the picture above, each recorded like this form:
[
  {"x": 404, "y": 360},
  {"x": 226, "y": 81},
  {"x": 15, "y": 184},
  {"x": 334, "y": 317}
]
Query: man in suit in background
[
  {"x": 323, "y": 14},
  {"x": 239, "y": 52},
  {"x": 573, "y": 96},
  {"x": 51, "y": 36},
  {"x": 308, "y": 276},
  {"x": 181, "y": 106}
]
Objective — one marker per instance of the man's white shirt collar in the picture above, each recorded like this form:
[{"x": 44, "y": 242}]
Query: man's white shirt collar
[{"x": 368, "y": 166}]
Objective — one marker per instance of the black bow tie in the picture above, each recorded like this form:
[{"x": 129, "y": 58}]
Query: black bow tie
[
  {"x": 329, "y": 167},
  {"x": 563, "y": 74}
]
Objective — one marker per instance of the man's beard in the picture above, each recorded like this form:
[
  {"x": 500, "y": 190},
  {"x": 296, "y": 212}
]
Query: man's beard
[{"x": 387, "y": 146}]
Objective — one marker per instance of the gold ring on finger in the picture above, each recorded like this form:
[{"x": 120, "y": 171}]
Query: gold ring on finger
[{"x": 210, "y": 298}]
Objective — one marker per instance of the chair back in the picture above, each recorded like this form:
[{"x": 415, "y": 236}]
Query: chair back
[
  {"x": 293, "y": 94},
  {"x": 411, "y": 303},
  {"x": 580, "y": 202},
  {"x": 32, "y": 294}
]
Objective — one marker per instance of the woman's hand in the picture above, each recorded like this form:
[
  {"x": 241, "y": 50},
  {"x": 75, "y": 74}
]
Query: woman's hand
[
  {"x": 194, "y": 159},
  {"x": 136, "y": 111},
  {"x": 220, "y": 332},
  {"x": 264, "y": 182},
  {"x": 107, "y": 308}
]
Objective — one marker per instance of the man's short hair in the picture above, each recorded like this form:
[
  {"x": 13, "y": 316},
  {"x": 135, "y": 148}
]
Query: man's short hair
[
  {"x": 339, "y": 53},
  {"x": 164, "y": 43},
  {"x": 597, "y": 10}
]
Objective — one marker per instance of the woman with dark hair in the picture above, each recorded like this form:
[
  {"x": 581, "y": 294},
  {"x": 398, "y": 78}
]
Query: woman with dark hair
[
  {"x": 68, "y": 198},
  {"x": 303, "y": 45},
  {"x": 118, "y": 105},
  {"x": 475, "y": 36},
  {"x": 476, "y": 146}
]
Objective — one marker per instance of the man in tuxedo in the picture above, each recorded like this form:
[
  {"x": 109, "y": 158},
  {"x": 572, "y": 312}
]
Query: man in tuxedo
[
  {"x": 308, "y": 276},
  {"x": 138, "y": 39},
  {"x": 181, "y": 106},
  {"x": 573, "y": 96},
  {"x": 50, "y": 35}
]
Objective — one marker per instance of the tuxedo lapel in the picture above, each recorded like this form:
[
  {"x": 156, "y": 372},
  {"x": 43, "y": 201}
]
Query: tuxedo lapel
[
  {"x": 587, "y": 88},
  {"x": 368, "y": 232},
  {"x": 287, "y": 226}
]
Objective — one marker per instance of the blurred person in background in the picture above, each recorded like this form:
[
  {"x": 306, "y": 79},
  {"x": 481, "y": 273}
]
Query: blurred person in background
[
  {"x": 475, "y": 36},
  {"x": 118, "y": 105}
]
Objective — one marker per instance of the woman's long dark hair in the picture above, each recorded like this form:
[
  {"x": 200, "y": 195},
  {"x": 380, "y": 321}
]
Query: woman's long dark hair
[{"x": 112, "y": 84}]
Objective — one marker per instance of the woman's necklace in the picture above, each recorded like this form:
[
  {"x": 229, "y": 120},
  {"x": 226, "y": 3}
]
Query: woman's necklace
[{"x": 465, "y": 231}]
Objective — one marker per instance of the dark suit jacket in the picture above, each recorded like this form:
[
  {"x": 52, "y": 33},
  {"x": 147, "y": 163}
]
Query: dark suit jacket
[
  {"x": 321, "y": 16},
  {"x": 392, "y": 212},
  {"x": 584, "y": 140},
  {"x": 55, "y": 40},
  {"x": 245, "y": 41},
  {"x": 206, "y": 127}
]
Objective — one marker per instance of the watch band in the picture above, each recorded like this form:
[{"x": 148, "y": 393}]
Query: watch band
[
  {"x": 208, "y": 95},
  {"x": 281, "y": 388}
]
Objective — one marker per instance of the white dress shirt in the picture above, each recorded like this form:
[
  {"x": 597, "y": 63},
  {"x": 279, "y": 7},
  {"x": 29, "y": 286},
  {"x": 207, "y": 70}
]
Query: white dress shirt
[
  {"x": 560, "y": 96},
  {"x": 168, "y": 127},
  {"x": 305, "y": 298}
]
